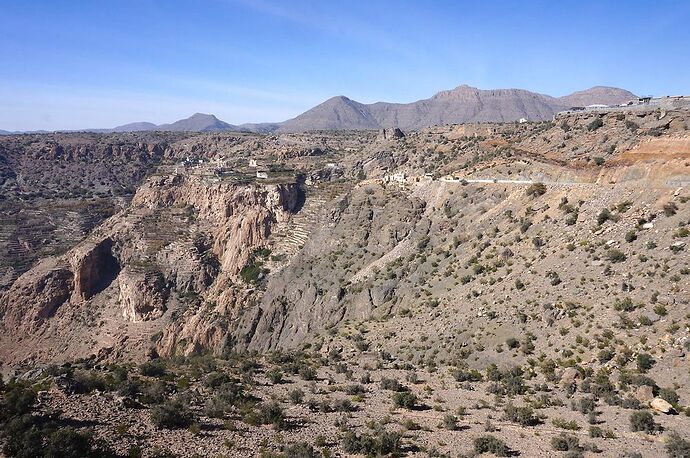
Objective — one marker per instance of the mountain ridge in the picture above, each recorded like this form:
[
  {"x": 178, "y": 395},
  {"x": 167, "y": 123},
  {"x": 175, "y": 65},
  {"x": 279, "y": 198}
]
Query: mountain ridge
[{"x": 462, "y": 104}]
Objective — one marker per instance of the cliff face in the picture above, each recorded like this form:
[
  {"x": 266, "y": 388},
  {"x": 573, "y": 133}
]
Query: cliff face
[{"x": 179, "y": 246}]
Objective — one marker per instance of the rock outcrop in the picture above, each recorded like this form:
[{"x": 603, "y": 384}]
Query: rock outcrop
[
  {"x": 94, "y": 268},
  {"x": 142, "y": 296},
  {"x": 148, "y": 261},
  {"x": 36, "y": 296}
]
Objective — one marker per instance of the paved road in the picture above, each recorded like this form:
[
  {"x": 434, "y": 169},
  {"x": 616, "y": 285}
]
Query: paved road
[{"x": 451, "y": 180}]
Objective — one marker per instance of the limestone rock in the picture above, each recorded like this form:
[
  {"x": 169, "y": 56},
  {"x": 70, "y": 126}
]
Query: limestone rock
[
  {"x": 569, "y": 376},
  {"x": 94, "y": 268},
  {"x": 644, "y": 394},
  {"x": 142, "y": 295},
  {"x": 661, "y": 405},
  {"x": 36, "y": 295}
]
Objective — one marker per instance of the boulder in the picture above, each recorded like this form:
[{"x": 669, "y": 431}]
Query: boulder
[
  {"x": 644, "y": 394},
  {"x": 661, "y": 405},
  {"x": 569, "y": 376}
]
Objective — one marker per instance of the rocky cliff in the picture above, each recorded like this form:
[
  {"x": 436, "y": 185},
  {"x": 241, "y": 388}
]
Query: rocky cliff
[{"x": 180, "y": 244}]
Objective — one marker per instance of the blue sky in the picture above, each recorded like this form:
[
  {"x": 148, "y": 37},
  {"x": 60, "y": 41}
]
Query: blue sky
[{"x": 70, "y": 64}]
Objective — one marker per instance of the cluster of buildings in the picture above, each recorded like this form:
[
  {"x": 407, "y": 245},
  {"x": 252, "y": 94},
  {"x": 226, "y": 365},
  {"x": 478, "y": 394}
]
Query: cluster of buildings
[
  {"x": 642, "y": 103},
  {"x": 218, "y": 166}
]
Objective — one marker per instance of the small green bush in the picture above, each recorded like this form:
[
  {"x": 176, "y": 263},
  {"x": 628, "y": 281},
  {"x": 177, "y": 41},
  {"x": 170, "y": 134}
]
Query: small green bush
[
  {"x": 172, "y": 414},
  {"x": 491, "y": 444},
  {"x": 594, "y": 125},
  {"x": 643, "y": 421},
  {"x": 379, "y": 443},
  {"x": 404, "y": 399},
  {"x": 565, "y": 443},
  {"x": 523, "y": 416},
  {"x": 155, "y": 368}
]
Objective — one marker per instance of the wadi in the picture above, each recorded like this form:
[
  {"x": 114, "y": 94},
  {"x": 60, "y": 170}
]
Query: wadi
[{"x": 455, "y": 289}]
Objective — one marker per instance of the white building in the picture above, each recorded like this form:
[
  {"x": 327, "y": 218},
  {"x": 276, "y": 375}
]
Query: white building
[
  {"x": 522, "y": 120},
  {"x": 261, "y": 174},
  {"x": 252, "y": 163},
  {"x": 399, "y": 177}
]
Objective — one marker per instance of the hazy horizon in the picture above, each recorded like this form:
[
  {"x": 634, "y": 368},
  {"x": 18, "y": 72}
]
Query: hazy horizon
[{"x": 78, "y": 65}]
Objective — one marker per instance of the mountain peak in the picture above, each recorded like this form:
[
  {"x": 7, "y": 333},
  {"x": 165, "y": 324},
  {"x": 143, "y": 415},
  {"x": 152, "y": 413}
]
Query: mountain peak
[
  {"x": 199, "y": 122},
  {"x": 598, "y": 94},
  {"x": 203, "y": 116}
]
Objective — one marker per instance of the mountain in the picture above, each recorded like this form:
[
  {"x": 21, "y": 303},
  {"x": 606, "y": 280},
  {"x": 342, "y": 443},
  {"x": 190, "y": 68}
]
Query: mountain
[
  {"x": 456, "y": 106},
  {"x": 135, "y": 127},
  {"x": 464, "y": 104},
  {"x": 198, "y": 122},
  {"x": 460, "y": 105},
  {"x": 598, "y": 94},
  {"x": 4, "y": 132},
  {"x": 336, "y": 113}
]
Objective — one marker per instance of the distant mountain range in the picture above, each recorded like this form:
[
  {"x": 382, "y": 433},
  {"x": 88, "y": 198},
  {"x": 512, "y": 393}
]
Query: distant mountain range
[{"x": 460, "y": 105}]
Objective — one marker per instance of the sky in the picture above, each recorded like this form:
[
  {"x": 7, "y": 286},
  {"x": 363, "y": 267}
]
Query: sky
[{"x": 73, "y": 64}]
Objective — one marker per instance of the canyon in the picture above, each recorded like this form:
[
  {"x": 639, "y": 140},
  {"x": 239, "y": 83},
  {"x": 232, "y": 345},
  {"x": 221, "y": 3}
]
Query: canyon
[{"x": 457, "y": 247}]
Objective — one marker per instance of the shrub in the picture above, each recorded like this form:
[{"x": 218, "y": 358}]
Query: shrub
[
  {"x": 586, "y": 405},
  {"x": 19, "y": 399},
  {"x": 599, "y": 160},
  {"x": 296, "y": 396},
  {"x": 670, "y": 209},
  {"x": 604, "y": 215},
  {"x": 380, "y": 443},
  {"x": 615, "y": 255},
  {"x": 676, "y": 447},
  {"x": 154, "y": 393},
  {"x": 669, "y": 395},
  {"x": 565, "y": 443},
  {"x": 343, "y": 405},
  {"x": 275, "y": 375},
  {"x": 392, "y": 385},
  {"x": 155, "y": 368},
  {"x": 536, "y": 190},
  {"x": 643, "y": 421},
  {"x": 172, "y": 414},
  {"x": 605, "y": 355},
  {"x": 491, "y": 444},
  {"x": 354, "y": 389},
  {"x": 450, "y": 422},
  {"x": 300, "y": 450},
  {"x": 624, "y": 305},
  {"x": 565, "y": 424},
  {"x": 69, "y": 443},
  {"x": 404, "y": 399},
  {"x": 307, "y": 373},
  {"x": 523, "y": 416},
  {"x": 466, "y": 375},
  {"x": 644, "y": 362},
  {"x": 216, "y": 379},
  {"x": 265, "y": 414},
  {"x": 595, "y": 124}
]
